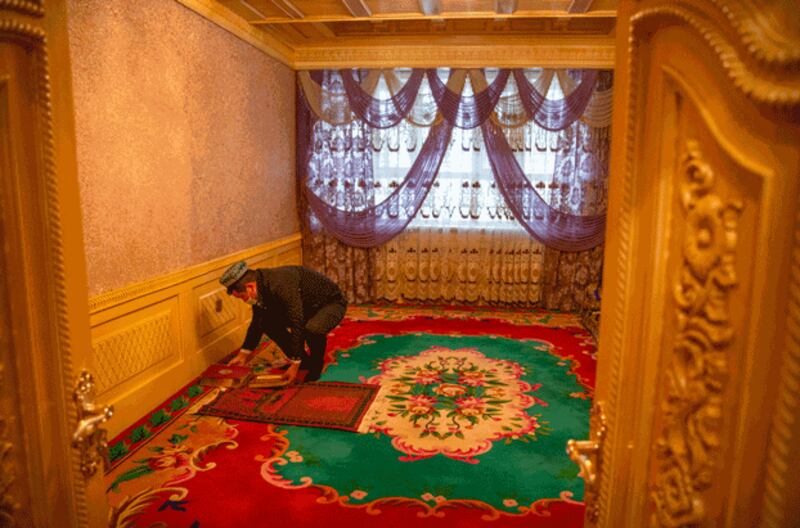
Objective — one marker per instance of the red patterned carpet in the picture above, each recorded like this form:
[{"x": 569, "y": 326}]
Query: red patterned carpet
[{"x": 468, "y": 429}]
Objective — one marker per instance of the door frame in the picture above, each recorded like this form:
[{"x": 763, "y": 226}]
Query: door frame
[
  {"x": 765, "y": 73},
  {"x": 46, "y": 279}
]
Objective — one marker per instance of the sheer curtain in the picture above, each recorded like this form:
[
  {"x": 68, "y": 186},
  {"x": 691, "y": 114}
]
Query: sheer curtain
[
  {"x": 386, "y": 152},
  {"x": 464, "y": 245},
  {"x": 339, "y": 168},
  {"x": 572, "y": 280}
]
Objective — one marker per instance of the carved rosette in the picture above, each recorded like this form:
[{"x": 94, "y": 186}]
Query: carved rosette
[{"x": 687, "y": 449}]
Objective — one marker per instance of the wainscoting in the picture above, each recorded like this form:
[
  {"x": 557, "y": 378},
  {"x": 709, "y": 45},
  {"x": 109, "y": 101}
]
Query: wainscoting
[{"x": 151, "y": 338}]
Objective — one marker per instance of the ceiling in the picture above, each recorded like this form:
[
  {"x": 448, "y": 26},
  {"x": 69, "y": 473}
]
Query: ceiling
[{"x": 318, "y": 33}]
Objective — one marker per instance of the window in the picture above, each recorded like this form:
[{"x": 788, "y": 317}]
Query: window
[{"x": 464, "y": 194}]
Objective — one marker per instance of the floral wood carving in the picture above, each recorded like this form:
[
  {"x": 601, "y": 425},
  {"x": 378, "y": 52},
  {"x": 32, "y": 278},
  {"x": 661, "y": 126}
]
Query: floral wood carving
[{"x": 687, "y": 449}]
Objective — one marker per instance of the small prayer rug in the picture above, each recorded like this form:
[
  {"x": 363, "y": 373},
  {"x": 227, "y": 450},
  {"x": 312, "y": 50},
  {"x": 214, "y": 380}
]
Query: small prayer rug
[{"x": 327, "y": 404}]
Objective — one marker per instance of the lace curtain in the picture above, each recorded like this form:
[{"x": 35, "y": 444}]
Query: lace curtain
[
  {"x": 374, "y": 166},
  {"x": 457, "y": 266},
  {"x": 464, "y": 245},
  {"x": 572, "y": 279}
]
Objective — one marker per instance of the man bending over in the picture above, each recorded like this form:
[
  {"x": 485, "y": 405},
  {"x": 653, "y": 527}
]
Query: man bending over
[{"x": 293, "y": 306}]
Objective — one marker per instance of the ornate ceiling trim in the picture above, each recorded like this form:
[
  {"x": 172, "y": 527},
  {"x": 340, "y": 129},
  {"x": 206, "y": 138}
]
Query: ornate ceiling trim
[
  {"x": 423, "y": 51},
  {"x": 500, "y": 52}
]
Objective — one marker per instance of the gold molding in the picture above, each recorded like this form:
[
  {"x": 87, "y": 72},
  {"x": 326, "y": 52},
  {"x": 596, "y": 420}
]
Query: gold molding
[
  {"x": 755, "y": 82},
  {"x": 589, "y": 52},
  {"x": 686, "y": 451},
  {"x": 112, "y": 298},
  {"x": 27, "y": 7},
  {"x": 447, "y": 15},
  {"x": 620, "y": 285},
  {"x": 33, "y": 34},
  {"x": 785, "y": 431},
  {"x": 777, "y": 50},
  {"x": 8, "y": 471},
  {"x": 219, "y": 15}
]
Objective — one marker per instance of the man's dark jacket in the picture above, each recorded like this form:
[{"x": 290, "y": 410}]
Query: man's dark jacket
[{"x": 288, "y": 296}]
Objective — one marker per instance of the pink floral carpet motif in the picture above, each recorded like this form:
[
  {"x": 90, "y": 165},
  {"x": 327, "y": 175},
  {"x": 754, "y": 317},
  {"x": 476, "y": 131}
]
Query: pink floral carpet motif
[{"x": 453, "y": 402}]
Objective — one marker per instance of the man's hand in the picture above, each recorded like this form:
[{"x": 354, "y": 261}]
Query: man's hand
[{"x": 242, "y": 358}]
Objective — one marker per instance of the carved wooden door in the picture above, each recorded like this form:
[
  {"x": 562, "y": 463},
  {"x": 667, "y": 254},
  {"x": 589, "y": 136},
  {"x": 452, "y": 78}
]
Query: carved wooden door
[
  {"x": 51, "y": 440},
  {"x": 697, "y": 413}
]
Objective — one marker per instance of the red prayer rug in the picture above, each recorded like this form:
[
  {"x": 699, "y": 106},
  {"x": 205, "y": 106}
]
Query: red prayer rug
[
  {"x": 468, "y": 428},
  {"x": 333, "y": 405}
]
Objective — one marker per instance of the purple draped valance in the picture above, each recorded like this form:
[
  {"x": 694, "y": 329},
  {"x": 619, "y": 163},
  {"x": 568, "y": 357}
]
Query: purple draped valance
[
  {"x": 560, "y": 113},
  {"x": 381, "y": 113},
  {"x": 466, "y": 111},
  {"x": 373, "y": 224}
]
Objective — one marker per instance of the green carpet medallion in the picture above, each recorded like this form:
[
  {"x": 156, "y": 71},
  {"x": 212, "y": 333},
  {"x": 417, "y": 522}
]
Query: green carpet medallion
[{"x": 458, "y": 418}]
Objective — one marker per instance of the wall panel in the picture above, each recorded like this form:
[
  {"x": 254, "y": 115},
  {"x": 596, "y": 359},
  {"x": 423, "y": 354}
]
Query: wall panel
[{"x": 151, "y": 338}]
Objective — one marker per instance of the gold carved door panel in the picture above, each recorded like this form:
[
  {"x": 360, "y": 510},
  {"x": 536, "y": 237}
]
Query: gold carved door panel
[
  {"x": 698, "y": 362},
  {"x": 51, "y": 432}
]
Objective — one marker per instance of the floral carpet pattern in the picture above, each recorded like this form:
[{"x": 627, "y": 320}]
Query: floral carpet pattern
[
  {"x": 451, "y": 402},
  {"x": 468, "y": 429}
]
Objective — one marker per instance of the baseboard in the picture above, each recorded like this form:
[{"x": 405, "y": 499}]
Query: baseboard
[{"x": 151, "y": 338}]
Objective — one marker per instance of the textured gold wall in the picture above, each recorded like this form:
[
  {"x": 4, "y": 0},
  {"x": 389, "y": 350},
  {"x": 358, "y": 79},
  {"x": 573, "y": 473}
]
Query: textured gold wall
[{"x": 185, "y": 139}]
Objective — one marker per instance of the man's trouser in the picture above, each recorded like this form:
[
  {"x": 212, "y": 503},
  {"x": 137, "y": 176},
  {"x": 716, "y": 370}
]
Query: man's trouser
[{"x": 315, "y": 334}]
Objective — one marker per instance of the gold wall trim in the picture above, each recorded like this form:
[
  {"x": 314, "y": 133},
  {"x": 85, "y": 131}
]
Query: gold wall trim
[
  {"x": 152, "y": 338},
  {"x": 27, "y": 7},
  {"x": 780, "y": 500},
  {"x": 219, "y": 15},
  {"x": 112, "y": 298},
  {"x": 754, "y": 79},
  {"x": 589, "y": 52}
]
